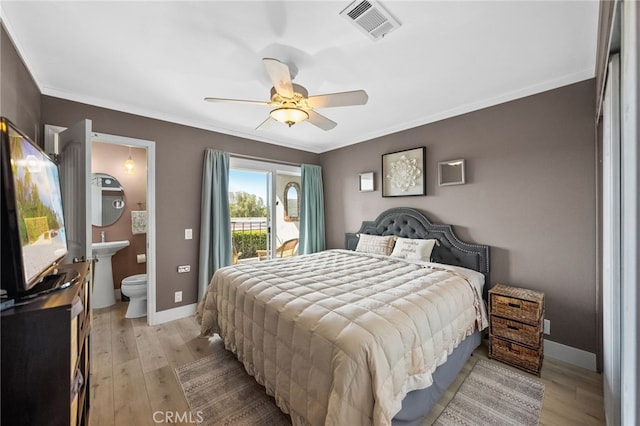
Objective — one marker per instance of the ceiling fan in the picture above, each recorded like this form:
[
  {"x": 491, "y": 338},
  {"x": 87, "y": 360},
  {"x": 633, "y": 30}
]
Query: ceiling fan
[{"x": 291, "y": 102}]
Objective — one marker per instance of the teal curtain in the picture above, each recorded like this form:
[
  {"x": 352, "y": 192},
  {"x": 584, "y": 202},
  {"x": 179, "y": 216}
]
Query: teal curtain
[
  {"x": 215, "y": 222},
  {"x": 312, "y": 234}
]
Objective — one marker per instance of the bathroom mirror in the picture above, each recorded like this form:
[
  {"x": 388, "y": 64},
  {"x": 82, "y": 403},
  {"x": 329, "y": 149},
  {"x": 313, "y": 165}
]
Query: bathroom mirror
[
  {"x": 451, "y": 172},
  {"x": 107, "y": 199},
  {"x": 292, "y": 202}
]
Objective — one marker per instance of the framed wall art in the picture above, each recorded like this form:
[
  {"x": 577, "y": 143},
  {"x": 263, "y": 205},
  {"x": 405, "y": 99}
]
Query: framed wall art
[
  {"x": 403, "y": 173},
  {"x": 365, "y": 182},
  {"x": 451, "y": 172}
]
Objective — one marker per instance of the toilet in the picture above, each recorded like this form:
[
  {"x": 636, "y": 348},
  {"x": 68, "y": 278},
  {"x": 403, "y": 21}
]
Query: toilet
[{"x": 135, "y": 288}]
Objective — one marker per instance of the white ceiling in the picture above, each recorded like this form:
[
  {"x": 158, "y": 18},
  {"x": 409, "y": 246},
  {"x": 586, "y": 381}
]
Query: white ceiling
[{"x": 160, "y": 59}]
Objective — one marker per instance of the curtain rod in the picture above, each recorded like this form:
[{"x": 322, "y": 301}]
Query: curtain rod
[{"x": 264, "y": 160}]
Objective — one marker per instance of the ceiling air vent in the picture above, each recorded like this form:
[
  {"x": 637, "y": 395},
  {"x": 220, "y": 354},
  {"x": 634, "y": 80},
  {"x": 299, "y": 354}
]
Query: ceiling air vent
[{"x": 370, "y": 17}]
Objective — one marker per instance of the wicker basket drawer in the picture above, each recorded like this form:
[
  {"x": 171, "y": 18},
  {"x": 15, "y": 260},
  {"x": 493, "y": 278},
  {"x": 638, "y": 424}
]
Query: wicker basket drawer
[
  {"x": 517, "y": 355},
  {"x": 519, "y": 332},
  {"x": 517, "y": 309}
]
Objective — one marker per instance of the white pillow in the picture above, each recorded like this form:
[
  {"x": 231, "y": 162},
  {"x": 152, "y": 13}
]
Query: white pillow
[
  {"x": 415, "y": 249},
  {"x": 375, "y": 244}
]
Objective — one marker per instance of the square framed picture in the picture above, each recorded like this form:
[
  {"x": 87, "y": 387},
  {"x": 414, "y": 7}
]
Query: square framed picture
[
  {"x": 403, "y": 173},
  {"x": 451, "y": 172},
  {"x": 365, "y": 182}
]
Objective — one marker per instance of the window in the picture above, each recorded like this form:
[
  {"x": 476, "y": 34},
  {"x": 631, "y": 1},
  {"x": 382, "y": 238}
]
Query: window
[{"x": 264, "y": 203}]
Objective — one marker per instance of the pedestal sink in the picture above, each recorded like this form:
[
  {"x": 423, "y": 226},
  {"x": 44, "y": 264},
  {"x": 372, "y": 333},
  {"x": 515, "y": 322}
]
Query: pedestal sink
[{"x": 103, "y": 289}]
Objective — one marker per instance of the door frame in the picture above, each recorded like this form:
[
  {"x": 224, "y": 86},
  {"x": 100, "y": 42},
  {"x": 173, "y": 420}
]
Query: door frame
[
  {"x": 150, "y": 147},
  {"x": 49, "y": 133},
  {"x": 611, "y": 244},
  {"x": 630, "y": 204}
]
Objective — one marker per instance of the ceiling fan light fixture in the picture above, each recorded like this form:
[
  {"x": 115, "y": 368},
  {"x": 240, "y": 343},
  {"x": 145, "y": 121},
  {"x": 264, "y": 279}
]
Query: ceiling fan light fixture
[
  {"x": 290, "y": 103},
  {"x": 289, "y": 116}
]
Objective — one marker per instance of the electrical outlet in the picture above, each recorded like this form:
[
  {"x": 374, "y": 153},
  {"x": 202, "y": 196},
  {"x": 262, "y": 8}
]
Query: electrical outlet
[
  {"x": 188, "y": 234},
  {"x": 547, "y": 326},
  {"x": 177, "y": 297},
  {"x": 184, "y": 268}
]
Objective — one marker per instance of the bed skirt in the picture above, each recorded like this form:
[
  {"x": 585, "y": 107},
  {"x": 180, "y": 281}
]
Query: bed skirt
[{"x": 418, "y": 403}]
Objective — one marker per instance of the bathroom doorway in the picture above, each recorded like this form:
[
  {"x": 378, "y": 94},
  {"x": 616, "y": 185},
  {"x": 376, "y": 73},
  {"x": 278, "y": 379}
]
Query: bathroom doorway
[
  {"x": 144, "y": 151},
  {"x": 132, "y": 162}
]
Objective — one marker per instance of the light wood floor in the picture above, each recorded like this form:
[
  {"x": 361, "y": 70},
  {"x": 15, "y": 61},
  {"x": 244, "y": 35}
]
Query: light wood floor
[{"x": 133, "y": 380}]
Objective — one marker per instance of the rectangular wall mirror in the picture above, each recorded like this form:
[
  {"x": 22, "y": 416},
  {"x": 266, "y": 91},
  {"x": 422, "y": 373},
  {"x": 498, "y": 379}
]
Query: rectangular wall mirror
[
  {"x": 365, "y": 182},
  {"x": 451, "y": 172}
]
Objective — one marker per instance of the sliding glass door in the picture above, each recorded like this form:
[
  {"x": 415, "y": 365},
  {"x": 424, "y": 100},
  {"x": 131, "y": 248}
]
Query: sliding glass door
[
  {"x": 250, "y": 212},
  {"x": 264, "y": 203}
]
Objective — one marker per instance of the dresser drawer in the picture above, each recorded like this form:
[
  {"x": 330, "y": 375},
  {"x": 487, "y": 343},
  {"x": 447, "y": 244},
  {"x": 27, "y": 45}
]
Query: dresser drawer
[
  {"x": 517, "y": 355},
  {"x": 519, "y": 332},
  {"x": 517, "y": 309}
]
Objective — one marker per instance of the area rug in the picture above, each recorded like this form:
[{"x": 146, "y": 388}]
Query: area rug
[
  {"x": 220, "y": 392},
  {"x": 494, "y": 395}
]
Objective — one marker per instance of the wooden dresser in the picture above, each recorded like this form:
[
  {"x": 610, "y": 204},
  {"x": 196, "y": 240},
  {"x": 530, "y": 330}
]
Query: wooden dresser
[
  {"x": 515, "y": 327},
  {"x": 45, "y": 357}
]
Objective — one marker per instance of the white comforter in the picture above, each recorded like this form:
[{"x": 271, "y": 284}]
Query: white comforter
[{"x": 339, "y": 337}]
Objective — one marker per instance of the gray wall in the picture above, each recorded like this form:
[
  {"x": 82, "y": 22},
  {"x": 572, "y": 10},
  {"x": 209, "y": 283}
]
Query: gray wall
[
  {"x": 530, "y": 195},
  {"x": 20, "y": 100}
]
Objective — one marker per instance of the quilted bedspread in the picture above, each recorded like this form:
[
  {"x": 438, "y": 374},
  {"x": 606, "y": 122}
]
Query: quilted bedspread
[{"x": 339, "y": 337}]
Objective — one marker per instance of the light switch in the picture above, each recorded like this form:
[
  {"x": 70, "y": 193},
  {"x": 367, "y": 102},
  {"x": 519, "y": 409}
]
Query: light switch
[{"x": 188, "y": 234}]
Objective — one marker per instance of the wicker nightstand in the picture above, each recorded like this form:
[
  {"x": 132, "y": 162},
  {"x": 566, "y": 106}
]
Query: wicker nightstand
[{"x": 515, "y": 327}]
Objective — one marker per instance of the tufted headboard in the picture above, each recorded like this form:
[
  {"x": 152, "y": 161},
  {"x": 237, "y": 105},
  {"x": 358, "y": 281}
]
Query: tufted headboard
[{"x": 411, "y": 223}]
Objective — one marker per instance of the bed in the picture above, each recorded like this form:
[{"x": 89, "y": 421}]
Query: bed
[{"x": 350, "y": 336}]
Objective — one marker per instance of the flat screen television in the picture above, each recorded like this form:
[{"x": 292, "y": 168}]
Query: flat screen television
[{"x": 34, "y": 241}]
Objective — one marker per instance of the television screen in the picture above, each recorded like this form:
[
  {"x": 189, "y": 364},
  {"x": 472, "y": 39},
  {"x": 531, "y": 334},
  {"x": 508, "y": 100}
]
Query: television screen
[{"x": 33, "y": 203}]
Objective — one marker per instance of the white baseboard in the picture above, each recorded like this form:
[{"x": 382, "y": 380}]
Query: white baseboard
[
  {"x": 174, "y": 314},
  {"x": 570, "y": 355}
]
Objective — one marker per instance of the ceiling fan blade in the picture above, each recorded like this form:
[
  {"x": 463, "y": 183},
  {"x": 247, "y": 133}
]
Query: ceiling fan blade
[
  {"x": 356, "y": 97},
  {"x": 266, "y": 123},
  {"x": 280, "y": 76},
  {"x": 239, "y": 101},
  {"x": 321, "y": 121}
]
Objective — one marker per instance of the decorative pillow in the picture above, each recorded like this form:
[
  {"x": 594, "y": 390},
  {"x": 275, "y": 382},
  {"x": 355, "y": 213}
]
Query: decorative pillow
[
  {"x": 415, "y": 249},
  {"x": 375, "y": 244}
]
